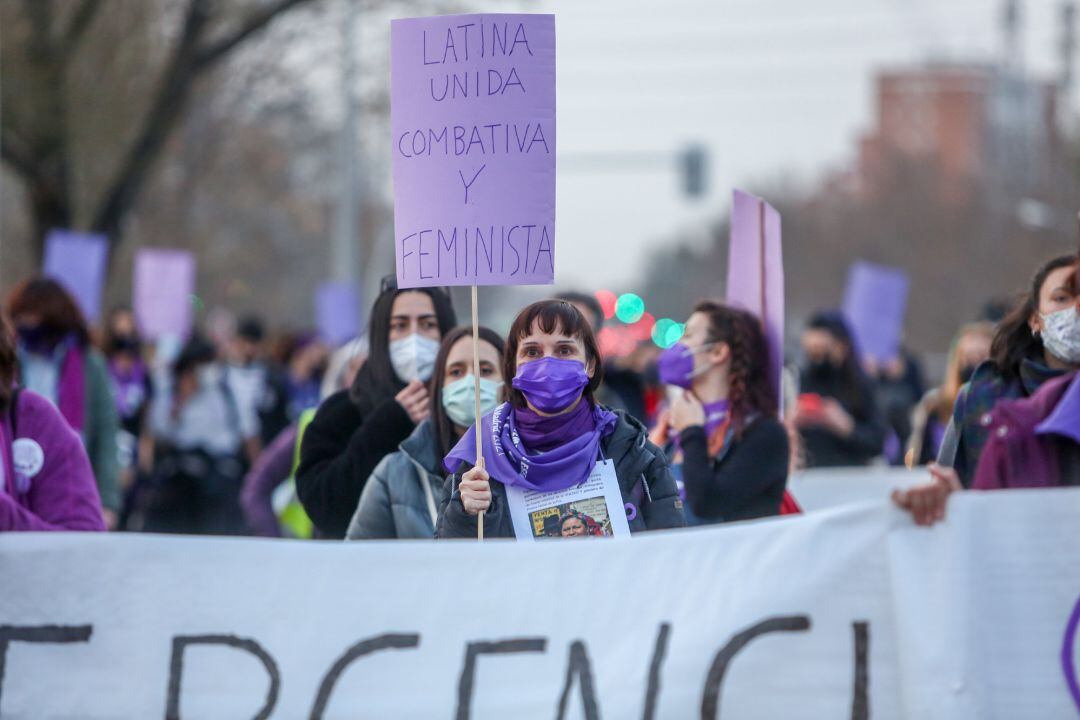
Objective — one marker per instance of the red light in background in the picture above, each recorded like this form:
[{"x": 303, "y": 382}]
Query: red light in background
[{"x": 607, "y": 302}]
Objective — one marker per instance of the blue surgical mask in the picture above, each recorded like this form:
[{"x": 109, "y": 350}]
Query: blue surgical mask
[{"x": 459, "y": 400}]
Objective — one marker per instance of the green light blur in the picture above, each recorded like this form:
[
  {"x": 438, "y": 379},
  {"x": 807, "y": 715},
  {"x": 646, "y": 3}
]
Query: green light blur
[
  {"x": 667, "y": 332},
  {"x": 629, "y": 308},
  {"x": 196, "y": 303}
]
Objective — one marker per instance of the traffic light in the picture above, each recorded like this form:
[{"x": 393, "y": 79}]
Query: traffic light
[{"x": 693, "y": 165}]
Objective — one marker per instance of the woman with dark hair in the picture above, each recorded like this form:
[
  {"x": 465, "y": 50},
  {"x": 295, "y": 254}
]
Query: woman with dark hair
[
  {"x": 354, "y": 430},
  {"x": 731, "y": 448},
  {"x": 836, "y": 413},
  {"x": 57, "y": 361},
  {"x": 401, "y": 498},
  {"x": 1028, "y": 349},
  {"x": 45, "y": 478},
  {"x": 552, "y": 436}
]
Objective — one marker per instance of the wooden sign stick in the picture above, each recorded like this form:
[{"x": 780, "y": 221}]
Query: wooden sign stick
[{"x": 476, "y": 388}]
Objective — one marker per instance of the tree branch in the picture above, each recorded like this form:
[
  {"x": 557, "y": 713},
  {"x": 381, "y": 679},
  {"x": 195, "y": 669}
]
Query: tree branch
[
  {"x": 84, "y": 15},
  {"x": 184, "y": 67},
  {"x": 256, "y": 22},
  {"x": 15, "y": 155}
]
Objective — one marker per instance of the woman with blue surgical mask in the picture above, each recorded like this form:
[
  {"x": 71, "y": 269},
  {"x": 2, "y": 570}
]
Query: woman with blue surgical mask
[
  {"x": 551, "y": 449},
  {"x": 353, "y": 430},
  {"x": 1038, "y": 341},
  {"x": 402, "y": 497}
]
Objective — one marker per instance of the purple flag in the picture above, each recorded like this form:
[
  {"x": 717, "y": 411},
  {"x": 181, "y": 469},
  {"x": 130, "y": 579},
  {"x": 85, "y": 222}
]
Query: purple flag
[
  {"x": 472, "y": 114},
  {"x": 77, "y": 261},
  {"x": 875, "y": 302},
  {"x": 756, "y": 273},
  {"x": 337, "y": 311},
  {"x": 163, "y": 287}
]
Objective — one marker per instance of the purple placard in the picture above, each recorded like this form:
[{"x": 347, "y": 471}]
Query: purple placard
[
  {"x": 337, "y": 311},
  {"x": 875, "y": 302},
  {"x": 472, "y": 113},
  {"x": 77, "y": 261},
  {"x": 162, "y": 289},
  {"x": 756, "y": 273}
]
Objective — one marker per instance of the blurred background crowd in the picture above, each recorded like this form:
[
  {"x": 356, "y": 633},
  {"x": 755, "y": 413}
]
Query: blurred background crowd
[{"x": 925, "y": 159}]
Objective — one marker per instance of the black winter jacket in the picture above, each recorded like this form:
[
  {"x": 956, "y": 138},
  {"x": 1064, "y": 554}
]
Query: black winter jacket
[
  {"x": 746, "y": 481},
  {"x": 341, "y": 447},
  {"x": 644, "y": 478}
]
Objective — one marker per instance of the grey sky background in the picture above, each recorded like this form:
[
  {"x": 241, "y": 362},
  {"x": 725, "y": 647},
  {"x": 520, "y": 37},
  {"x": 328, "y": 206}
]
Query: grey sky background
[{"x": 777, "y": 90}]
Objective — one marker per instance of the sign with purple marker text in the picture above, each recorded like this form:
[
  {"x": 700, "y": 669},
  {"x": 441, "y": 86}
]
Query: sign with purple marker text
[
  {"x": 755, "y": 279},
  {"x": 473, "y": 145},
  {"x": 77, "y": 261},
  {"x": 163, "y": 286},
  {"x": 875, "y": 302}
]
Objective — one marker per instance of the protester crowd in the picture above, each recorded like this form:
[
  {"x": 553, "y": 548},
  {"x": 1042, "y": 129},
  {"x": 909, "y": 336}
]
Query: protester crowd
[{"x": 242, "y": 433}]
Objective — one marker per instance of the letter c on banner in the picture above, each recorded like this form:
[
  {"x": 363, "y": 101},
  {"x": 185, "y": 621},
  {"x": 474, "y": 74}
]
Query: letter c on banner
[{"x": 1068, "y": 648}]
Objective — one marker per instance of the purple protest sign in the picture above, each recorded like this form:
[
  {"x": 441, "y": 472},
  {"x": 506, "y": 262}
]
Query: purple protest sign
[
  {"x": 472, "y": 114},
  {"x": 337, "y": 311},
  {"x": 756, "y": 273},
  {"x": 77, "y": 261},
  {"x": 875, "y": 302},
  {"x": 163, "y": 287}
]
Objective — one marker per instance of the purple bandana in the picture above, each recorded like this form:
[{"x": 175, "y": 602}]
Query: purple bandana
[
  {"x": 513, "y": 460},
  {"x": 716, "y": 413}
]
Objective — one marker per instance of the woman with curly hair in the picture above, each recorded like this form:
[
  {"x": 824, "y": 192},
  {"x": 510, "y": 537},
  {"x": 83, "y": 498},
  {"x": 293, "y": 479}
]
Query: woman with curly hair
[{"x": 729, "y": 444}]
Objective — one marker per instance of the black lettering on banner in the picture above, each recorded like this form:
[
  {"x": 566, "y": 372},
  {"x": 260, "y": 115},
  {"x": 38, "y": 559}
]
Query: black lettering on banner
[
  {"x": 176, "y": 669},
  {"x": 710, "y": 698},
  {"x": 52, "y": 634},
  {"x": 389, "y": 641},
  {"x": 498, "y": 647},
  {"x": 860, "y": 698},
  {"x": 579, "y": 665},
  {"x": 652, "y": 691}
]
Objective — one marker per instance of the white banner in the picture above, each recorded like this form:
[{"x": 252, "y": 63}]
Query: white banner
[
  {"x": 823, "y": 488},
  {"x": 846, "y": 613}
]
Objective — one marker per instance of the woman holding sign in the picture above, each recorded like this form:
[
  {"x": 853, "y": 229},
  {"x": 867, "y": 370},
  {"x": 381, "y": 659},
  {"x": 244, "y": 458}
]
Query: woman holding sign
[
  {"x": 401, "y": 498},
  {"x": 551, "y": 450},
  {"x": 732, "y": 449}
]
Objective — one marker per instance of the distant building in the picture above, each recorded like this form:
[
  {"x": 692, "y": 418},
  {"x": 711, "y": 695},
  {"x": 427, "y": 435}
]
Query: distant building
[{"x": 980, "y": 128}]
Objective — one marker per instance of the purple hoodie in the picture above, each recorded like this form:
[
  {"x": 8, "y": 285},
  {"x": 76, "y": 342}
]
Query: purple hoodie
[
  {"x": 55, "y": 488},
  {"x": 1026, "y": 447}
]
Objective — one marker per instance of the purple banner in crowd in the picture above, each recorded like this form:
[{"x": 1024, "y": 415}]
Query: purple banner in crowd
[
  {"x": 163, "y": 286},
  {"x": 337, "y": 311},
  {"x": 472, "y": 101},
  {"x": 77, "y": 260},
  {"x": 756, "y": 272},
  {"x": 875, "y": 302}
]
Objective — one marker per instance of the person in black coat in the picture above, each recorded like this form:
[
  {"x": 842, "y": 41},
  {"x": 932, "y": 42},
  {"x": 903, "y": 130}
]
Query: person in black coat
[
  {"x": 731, "y": 449},
  {"x": 837, "y": 414},
  {"x": 554, "y": 435},
  {"x": 353, "y": 430}
]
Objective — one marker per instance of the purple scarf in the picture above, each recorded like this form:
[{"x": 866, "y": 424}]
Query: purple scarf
[
  {"x": 71, "y": 389},
  {"x": 534, "y": 452},
  {"x": 130, "y": 388}
]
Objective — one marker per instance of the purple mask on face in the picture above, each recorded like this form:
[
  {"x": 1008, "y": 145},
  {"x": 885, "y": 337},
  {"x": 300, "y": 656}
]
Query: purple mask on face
[
  {"x": 550, "y": 384},
  {"x": 676, "y": 366}
]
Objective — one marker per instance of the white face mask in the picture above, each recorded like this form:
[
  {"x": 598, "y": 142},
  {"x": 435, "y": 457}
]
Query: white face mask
[
  {"x": 1061, "y": 334},
  {"x": 413, "y": 357}
]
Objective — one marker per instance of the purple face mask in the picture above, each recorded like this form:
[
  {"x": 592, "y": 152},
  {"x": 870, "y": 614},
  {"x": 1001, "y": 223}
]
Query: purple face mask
[
  {"x": 676, "y": 366},
  {"x": 550, "y": 384}
]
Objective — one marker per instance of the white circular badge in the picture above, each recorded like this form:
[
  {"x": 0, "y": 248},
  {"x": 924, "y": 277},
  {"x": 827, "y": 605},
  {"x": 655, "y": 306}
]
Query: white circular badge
[{"x": 27, "y": 457}]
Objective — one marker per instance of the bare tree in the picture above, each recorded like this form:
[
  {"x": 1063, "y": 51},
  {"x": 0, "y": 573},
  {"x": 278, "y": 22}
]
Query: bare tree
[{"x": 41, "y": 44}]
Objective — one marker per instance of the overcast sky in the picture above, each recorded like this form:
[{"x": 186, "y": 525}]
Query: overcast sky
[{"x": 775, "y": 89}]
